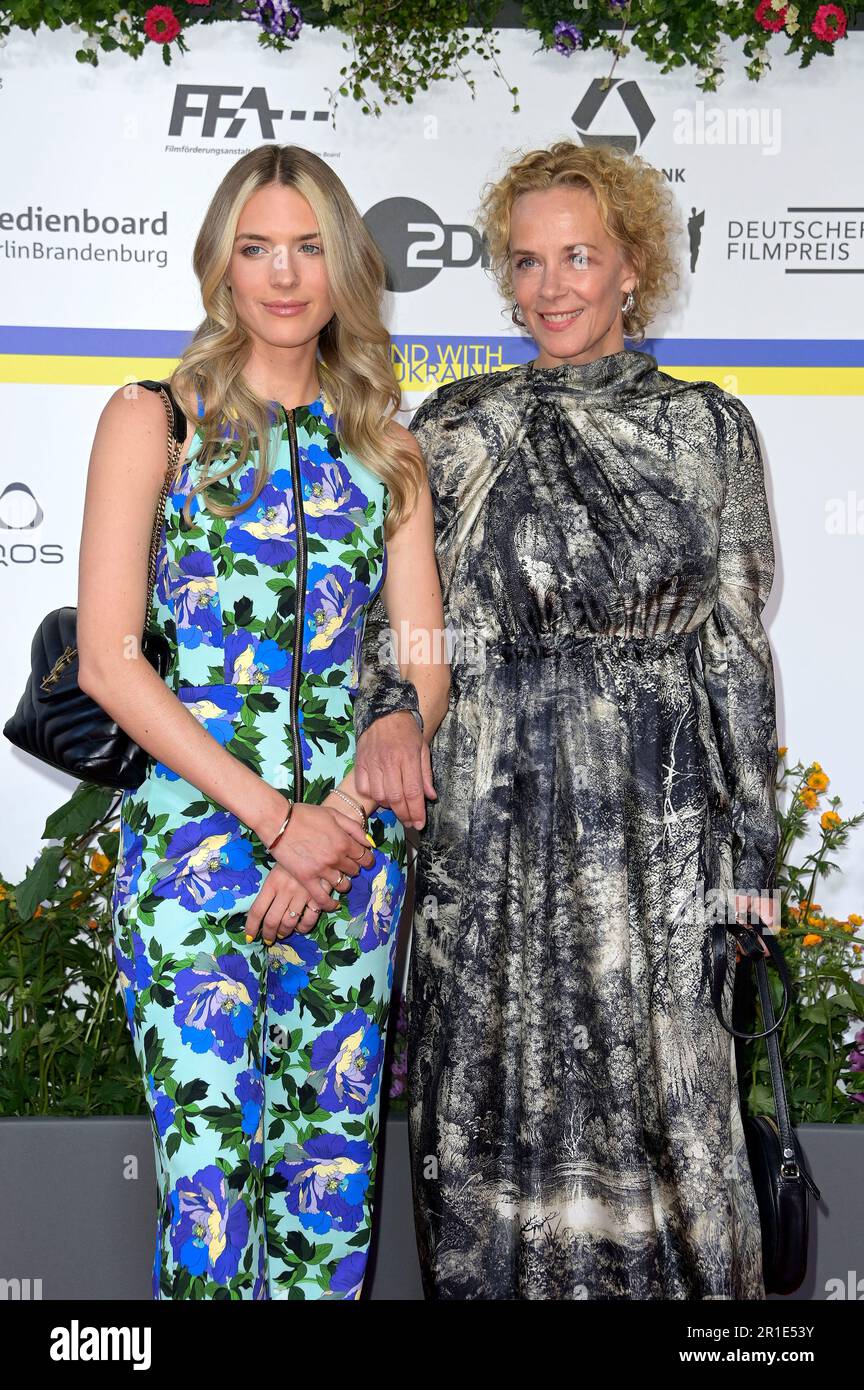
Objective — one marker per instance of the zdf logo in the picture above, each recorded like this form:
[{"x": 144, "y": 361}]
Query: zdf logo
[{"x": 416, "y": 244}]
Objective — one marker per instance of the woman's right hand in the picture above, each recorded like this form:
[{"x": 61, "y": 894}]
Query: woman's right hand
[{"x": 320, "y": 843}]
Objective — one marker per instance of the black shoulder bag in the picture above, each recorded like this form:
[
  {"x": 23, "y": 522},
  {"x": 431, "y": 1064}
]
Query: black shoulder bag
[
  {"x": 55, "y": 720},
  {"x": 780, "y": 1176}
]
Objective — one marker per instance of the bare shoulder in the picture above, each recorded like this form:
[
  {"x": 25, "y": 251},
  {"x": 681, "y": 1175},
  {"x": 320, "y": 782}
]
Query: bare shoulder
[{"x": 404, "y": 437}]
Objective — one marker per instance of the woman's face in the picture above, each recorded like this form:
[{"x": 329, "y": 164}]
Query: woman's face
[
  {"x": 569, "y": 277},
  {"x": 277, "y": 272}
]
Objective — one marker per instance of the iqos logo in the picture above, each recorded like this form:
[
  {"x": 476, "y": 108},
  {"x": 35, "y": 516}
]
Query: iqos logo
[{"x": 20, "y": 510}]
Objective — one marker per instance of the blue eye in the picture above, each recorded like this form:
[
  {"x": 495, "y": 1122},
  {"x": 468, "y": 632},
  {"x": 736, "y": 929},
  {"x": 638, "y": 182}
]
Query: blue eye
[
  {"x": 251, "y": 248},
  {"x": 312, "y": 246},
  {"x": 581, "y": 256}
]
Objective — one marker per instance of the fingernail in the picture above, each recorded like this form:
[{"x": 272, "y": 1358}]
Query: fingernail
[
  {"x": 369, "y": 838},
  {"x": 249, "y": 938}
]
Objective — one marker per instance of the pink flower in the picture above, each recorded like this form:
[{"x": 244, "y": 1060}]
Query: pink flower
[
  {"x": 161, "y": 24},
  {"x": 768, "y": 18},
  {"x": 829, "y": 23}
]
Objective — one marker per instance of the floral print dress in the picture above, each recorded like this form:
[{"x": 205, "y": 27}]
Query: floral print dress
[
  {"x": 605, "y": 766},
  {"x": 261, "y": 1065}
]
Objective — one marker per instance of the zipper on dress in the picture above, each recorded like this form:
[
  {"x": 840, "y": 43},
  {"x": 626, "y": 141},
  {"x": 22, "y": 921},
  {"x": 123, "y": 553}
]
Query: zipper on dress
[{"x": 300, "y": 603}]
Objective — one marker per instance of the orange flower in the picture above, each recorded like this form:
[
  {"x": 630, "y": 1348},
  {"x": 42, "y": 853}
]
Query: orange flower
[
  {"x": 857, "y": 949},
  {"x": 781, "y": 752},
  {"x": 3, "y": 892},
  {"x": 855, "y": 919},
  {"x": 99, "y": 863},
  {"x": 93, "y": 924},
  {"x": 794, "y": 912},
  {"x": 814, "y": 920},
  {"x": 817, "y": 781},
  {"x": 809, "y": 799},
  {"x": 38, "y": 912},
  {"x": 811, "y": 939},
  {"x": 828, "y": 819}
]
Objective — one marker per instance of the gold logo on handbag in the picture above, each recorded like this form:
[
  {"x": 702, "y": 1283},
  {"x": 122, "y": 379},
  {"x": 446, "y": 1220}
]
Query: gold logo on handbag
[{"x": 56, "y": 671}]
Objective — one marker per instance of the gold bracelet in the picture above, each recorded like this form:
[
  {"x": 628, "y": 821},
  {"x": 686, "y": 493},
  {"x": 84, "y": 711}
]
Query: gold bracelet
[
  {"x": 355, "y": 804},
  {"x": 282, "y": 827}
]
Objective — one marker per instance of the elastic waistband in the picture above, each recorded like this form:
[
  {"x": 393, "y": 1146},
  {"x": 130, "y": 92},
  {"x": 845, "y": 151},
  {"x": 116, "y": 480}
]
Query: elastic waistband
[{"x": 530, "y": 646}]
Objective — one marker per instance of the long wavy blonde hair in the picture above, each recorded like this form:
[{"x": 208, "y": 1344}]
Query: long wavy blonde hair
[
  {"x": 635, "y": 205},
  {"x": 354, "y": 363}
]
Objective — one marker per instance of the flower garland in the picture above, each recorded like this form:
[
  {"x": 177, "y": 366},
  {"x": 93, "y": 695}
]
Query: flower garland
[{"x": 398, "y": 48}]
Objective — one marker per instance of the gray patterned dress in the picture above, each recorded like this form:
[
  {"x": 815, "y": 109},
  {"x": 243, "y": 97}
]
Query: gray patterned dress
[{"x": 608, "y": 759}]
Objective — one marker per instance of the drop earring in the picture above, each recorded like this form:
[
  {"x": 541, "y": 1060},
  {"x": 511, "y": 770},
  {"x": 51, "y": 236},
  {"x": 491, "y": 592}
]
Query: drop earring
[{"x": 520, "y": 322}]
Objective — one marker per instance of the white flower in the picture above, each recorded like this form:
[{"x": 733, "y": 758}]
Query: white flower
[
  {"x": 76, "y": 27},
  {"x": 122, "y": 17},
  {"x": 90, "y": 44}
]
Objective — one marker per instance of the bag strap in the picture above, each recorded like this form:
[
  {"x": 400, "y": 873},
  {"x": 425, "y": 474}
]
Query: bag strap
[
  {"x": 749, "y": 936},
  {"x": 177, "y": 429}
]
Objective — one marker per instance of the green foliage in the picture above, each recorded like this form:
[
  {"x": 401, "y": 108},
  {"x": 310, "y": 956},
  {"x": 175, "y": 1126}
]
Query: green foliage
[
  {"x": 822, "y": 953},
  {"x": 398, "y": 48}
]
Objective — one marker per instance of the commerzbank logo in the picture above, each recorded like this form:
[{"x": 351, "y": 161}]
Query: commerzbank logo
[{"x": 601, "y": 101}]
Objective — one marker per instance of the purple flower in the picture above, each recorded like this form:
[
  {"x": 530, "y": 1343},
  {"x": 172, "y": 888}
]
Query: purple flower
[
  {"x": 334, "y": 607},
  {"x": 197, "y": 610},
  {"x": 347, "y": 1278},
  {"x": 285, "y": 21},
  {"x": 567, "y": 37},
  {"x": 209, "y": 1231},
  {"x": 332, "y": 503},
  {"x": 346, "y": 1063},
  {"x": 856, "y": 1060},
  {"x": 249, "y": 1090},
  {"x": 327, "y": 1179},
  {"x": 266, "y": 529},
  {"x": 252, "y": 660},
  {"x": 207, "y": 865},
  {"x": 216, "y": 1002},
  {"x": 374, "y": 894},
  {"x": 289, "y": 966},
  {"x": 162, "y": 1106}
]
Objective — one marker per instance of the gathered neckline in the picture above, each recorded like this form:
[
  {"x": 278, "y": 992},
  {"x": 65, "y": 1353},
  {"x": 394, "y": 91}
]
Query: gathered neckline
[{"x": 615, "y": 370}]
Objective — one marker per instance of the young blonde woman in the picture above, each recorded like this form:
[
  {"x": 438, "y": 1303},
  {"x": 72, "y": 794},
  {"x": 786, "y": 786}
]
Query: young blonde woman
[
  {"x": 258, "y": 892},
  {"x": 607, "y": 764}
]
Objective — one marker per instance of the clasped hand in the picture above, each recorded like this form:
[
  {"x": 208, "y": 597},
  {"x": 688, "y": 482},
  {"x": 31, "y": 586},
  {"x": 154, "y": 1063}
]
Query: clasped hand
[{"x": 317, "y": 856}]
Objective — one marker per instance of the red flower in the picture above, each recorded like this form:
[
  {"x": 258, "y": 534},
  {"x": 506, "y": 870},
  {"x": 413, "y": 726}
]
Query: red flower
[
  {"x": 198, "y": 2},
  {"x": 768, "y": 18},
  {"x": 830, "y": 23},
  {"x": 161, "y": 24}
]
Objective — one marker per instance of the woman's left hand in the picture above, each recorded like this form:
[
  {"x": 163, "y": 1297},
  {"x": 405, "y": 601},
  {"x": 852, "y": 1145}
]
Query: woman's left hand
[
  {"x": 745, "y": 903},
  {"x": 281, "y": 895}
]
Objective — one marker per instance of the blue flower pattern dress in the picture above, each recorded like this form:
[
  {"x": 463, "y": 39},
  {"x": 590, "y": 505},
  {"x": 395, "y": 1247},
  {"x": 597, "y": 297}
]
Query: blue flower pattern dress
[{"x": 262, "y": 1065}]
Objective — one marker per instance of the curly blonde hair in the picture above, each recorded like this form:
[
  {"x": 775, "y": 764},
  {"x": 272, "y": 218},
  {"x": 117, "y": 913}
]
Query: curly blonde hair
[
  {"x": 354, "y": 362},
  {"x": 634, "y": 202}
]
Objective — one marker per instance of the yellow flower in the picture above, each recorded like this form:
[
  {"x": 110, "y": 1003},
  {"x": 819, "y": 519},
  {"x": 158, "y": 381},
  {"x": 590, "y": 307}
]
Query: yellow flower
[
  {"x": 847, "y": 926},
  {"x": 781, "y": 752},
  {"x": 814, "y": 921},
  {"x": 99, "y": 863},
  {"x": 811, "y": 939},
  {"x": 817, "y": 767},
  {"x": 3, "y": 893},
  {"x": 828, "y": 819},
  {"x": 857, "y": 949},
  {"x": 810, "y": 800},
  {"x": 817, "y": 781},
  {"x": 855, "y": 919}
]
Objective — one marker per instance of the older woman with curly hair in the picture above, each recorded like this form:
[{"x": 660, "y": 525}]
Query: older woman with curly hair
[{"x": 606, "y": 765}]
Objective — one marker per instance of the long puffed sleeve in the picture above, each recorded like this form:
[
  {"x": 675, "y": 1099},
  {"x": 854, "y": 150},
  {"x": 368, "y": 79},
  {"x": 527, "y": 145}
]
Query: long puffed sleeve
[
  {"x": 737, "y": 664},
  {"x": 382, "y": 688}
]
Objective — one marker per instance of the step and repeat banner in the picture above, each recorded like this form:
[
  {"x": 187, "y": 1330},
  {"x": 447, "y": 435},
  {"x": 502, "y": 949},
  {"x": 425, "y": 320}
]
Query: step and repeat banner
[{"x": 107, "y": 173}]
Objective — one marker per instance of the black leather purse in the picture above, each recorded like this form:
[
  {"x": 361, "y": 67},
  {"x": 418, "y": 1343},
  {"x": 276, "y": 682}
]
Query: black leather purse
[
  {"x": 780, "y": 1176},
  {"x": 55, "y": 720}
]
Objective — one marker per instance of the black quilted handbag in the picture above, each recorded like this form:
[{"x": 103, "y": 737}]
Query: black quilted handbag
[
  {"x": 55, "y": 720},
  {"x": 780, "y": 1177}
]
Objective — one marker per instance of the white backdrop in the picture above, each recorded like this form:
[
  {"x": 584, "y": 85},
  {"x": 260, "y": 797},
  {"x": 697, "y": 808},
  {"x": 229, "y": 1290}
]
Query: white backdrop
[{"x": 768, "y": 177}]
